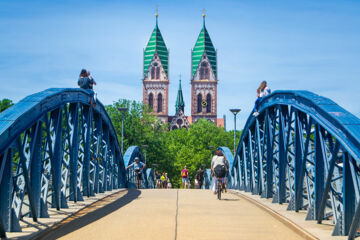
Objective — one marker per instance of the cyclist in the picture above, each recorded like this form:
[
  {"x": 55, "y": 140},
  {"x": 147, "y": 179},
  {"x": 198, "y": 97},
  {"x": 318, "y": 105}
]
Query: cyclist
[
  {"x": 219, "y": 168},
  {"x": 185, "y": 177},
  {"x": 138, "y": 168}
]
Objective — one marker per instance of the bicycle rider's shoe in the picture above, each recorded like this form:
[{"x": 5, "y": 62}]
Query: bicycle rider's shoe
[{"x": 224, "y": 187}]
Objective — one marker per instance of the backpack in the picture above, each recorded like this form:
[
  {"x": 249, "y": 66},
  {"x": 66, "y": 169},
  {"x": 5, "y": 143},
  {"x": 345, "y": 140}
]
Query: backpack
[{"x": 220, "y": 171}]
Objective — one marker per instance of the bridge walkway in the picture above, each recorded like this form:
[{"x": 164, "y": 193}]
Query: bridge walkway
[{"x": 173, "y": 214}]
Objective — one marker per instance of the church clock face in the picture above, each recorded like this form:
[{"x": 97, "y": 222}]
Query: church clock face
[{"x": 203, "y": 104}]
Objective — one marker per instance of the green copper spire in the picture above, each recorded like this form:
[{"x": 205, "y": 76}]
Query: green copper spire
[
  {"x": 203, "y": 46},
  {"x": 157, "y": 45},
  {"x": 180, "y": 105}
]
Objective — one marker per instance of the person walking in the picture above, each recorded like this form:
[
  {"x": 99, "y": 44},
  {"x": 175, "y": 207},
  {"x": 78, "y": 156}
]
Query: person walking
[
  {"x": 262, "y": 91},
  {"x": 185, "y": 177},
  {"x": 158, "y": 180},
  {"x": 169, "y": 185},
  {"x": 163, "y": 180},
  {"x": 199, "y": 176}
]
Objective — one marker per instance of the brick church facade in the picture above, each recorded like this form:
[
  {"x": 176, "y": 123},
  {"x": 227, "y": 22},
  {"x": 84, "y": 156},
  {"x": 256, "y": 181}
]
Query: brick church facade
[{"x": 203, "y": 81}]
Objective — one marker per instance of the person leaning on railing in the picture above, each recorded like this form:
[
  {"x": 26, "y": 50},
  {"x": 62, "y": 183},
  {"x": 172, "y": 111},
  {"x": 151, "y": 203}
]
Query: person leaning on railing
[
  {"x": 87, "y": 82},
  {"x": 262, "y": 91}
]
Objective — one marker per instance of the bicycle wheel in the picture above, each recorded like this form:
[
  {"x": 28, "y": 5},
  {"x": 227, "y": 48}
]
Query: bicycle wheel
[{"x": 219, "y": 191}]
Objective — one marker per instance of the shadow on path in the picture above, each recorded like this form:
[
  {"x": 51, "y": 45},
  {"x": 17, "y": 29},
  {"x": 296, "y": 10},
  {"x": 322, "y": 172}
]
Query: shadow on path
[
  {"x": 88, "y": 218},
  {"x": 2, "y": 231},
  {"x": 229, "y": 199}
]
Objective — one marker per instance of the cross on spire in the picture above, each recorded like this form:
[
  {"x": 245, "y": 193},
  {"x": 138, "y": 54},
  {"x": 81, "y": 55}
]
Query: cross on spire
[
  {"x": 157, "y": 13},
  {"x": 204, "y": 15}
]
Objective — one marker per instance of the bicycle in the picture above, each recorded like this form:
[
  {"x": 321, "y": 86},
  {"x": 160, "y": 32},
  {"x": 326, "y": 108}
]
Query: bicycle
[
  {"x": 137, "y": 178},
  {"x": 219, "y": 187}
]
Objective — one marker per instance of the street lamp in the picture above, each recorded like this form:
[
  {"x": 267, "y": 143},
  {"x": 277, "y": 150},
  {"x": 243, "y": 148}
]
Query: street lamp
[
  {"x": 123, "y": 110},
  {"x": 235, "y": 111},
  {"x": 145, "y": 147}
]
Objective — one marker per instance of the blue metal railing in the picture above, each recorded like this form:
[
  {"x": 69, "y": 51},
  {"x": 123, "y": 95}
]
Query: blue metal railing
[
  {"x": 54, "y": 148},
  {"x": 304, "y": 150}
]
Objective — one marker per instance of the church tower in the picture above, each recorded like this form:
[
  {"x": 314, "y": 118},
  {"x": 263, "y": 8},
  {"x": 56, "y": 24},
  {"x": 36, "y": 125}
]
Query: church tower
[
  {"x": 204, "y": 78},
  {"x": 156, "y": 74},
  {"x": 179, "y": 120}
]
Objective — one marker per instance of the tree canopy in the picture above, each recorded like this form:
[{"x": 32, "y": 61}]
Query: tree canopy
[
  {"x": 5, "y": 104},
  {"x": 169, "y": 151}
]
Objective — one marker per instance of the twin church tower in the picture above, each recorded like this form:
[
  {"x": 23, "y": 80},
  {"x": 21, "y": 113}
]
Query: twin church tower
[{"x": 203, "y": 81}]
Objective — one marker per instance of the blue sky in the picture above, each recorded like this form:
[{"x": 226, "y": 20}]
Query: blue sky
[{"x": 294, "y": 45}]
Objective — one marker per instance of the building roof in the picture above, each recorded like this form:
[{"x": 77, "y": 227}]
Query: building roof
[
  {"x": 180, "y": 104},
  {"x": 179, "y": 121},
  {"x": 157, "y": 45},
  {"x": 203, "y": 46},
  {"x": 220, "y": 122}
]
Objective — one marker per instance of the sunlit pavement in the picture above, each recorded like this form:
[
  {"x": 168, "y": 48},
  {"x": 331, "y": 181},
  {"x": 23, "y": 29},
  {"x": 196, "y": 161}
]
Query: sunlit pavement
[{"x": 175, "y": 214}]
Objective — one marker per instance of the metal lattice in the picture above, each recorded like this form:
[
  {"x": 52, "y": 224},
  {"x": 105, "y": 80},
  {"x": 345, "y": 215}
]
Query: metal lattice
[
  {"x": 55, "y": 148},
  {"x": 303, "y": 150}
]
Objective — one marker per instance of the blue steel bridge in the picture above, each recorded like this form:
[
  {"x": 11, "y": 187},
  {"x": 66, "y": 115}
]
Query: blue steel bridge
[{"x": 303, "y": 150}]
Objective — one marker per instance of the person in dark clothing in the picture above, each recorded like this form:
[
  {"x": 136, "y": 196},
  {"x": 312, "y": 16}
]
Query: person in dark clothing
[
  {"x": 199, "y": 176},
  {"x": 86, "y": 82},
  {"x": 158, "y": 180},
  {"x": 92, "y": 81}
]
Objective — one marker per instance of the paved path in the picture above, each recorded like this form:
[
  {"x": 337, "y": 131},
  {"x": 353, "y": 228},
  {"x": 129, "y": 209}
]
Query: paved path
[{"x": 173, "y": 214}]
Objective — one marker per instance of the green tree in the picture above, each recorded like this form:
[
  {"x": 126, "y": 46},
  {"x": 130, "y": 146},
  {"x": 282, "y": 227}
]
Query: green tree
[
  {"x": 5, "y": 104},
  {"x": 141, "y": 127},
  {"x": 169, "y": 151},
  {"x": 191, "y": 148}
]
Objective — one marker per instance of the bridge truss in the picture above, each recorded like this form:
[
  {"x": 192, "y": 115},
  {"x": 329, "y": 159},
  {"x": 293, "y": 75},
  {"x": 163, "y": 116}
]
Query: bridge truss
[
  {"x": 304, "y": 150},
  {"x": 55, "y": 148}
]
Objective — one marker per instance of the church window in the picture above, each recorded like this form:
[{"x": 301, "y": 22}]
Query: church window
[
  {"x": 204, "y": 71},
  {"x": 157, "y": 72},
  {"x": 199, "y": 100},
  {"x": 160, "y": 103},
  {"x": 151, "y": 100},
  {"x": 208, "y": 100},
  {"x": 152, "y": 73}
]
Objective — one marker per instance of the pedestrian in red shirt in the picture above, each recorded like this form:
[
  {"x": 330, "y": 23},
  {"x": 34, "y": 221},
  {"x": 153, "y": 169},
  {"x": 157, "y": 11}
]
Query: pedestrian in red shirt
[{"x": 185, "y": 177}]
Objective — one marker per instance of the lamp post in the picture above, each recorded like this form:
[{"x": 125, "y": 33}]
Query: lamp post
[
  {"x": 145, "y": 147},
  {"x": 123, "y": 110},
  {"x": 235, "y": 111}
]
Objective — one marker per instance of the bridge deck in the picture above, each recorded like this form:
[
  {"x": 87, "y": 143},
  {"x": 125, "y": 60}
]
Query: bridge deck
[{"x": 173, "y": 214}]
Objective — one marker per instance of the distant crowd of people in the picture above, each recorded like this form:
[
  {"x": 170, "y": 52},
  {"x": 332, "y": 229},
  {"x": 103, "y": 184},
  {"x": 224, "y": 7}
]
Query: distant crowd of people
[{"x": 162, "y": 180}]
